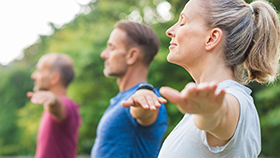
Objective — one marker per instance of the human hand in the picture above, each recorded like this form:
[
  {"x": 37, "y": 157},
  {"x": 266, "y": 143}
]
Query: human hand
[
  {"x": 144, "y": 98},
  {"x": 203, "y": 98},
  {"x": 51, "y": 102},
  {"x": 45, "y": 98}
]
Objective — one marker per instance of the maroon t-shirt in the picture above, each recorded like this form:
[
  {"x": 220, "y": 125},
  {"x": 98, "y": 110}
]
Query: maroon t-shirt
[{"x": 59, "y": 139}]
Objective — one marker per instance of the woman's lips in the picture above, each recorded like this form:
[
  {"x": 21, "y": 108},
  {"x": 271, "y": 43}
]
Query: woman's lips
[{"x": 172, "y": 45}]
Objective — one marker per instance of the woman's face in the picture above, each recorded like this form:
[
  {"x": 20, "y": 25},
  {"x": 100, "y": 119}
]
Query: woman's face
[{"x": 188, "y": 36}]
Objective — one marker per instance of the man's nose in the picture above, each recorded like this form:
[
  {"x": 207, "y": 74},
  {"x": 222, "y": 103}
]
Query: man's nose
[
  {"x": 33, "y": 75},
  {"x": 104, "y": 54}
]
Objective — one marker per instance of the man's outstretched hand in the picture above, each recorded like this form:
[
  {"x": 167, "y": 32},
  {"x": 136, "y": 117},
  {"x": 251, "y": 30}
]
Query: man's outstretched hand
[
  {"x": 51, "y": 103},
  {"x": 45, "y": 98},
  {"x": 144, "y": 98}
]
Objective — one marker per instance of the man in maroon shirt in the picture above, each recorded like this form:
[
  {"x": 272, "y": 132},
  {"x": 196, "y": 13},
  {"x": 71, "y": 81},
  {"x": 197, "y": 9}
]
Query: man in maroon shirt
[{"x": 59, "y": 126}]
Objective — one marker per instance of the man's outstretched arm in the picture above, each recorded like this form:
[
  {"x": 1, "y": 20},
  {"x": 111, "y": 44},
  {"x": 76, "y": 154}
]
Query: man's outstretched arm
[{"x": 51, "y": 102}]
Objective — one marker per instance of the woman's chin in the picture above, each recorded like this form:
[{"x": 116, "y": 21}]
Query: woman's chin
[{"x": 171, "y": 58}]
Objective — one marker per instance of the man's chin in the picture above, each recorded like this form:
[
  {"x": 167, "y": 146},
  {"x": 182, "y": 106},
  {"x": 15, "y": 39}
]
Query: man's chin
[
  {"x": 109, "y": 75},
  {"x": 35, "y": 89}
]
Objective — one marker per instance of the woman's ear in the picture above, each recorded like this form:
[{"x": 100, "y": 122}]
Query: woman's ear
[
  {"x": 133, "y": 55},
  {"x": 213, "y": 39}
]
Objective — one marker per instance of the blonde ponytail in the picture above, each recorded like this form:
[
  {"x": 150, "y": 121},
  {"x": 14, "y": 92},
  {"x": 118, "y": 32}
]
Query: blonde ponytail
[
  {"x": 251, "y": 38},
  {"x": 262, "y": 62}
]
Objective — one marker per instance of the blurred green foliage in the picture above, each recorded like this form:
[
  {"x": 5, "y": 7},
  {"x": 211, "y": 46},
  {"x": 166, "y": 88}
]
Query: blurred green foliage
[{"x": 83, "y": 39}]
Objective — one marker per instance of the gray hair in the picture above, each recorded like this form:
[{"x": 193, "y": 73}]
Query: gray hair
[{"x": 63, "y": 64}]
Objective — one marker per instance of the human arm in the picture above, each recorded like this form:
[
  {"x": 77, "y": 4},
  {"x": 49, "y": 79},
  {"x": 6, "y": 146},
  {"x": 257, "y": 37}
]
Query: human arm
[
  {"x": 144, "y": 106},
  {"x": 51, "y": 103},
  {"x": 213, "y": 110}
]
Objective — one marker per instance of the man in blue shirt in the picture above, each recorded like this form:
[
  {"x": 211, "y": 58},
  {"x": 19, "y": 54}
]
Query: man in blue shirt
[{"x": 136, "y": 131}]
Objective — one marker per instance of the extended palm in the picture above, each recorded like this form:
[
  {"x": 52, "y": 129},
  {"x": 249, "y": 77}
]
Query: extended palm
[
  {"x": 196, "y": 99},
  {"x": 42, "y": 97}
]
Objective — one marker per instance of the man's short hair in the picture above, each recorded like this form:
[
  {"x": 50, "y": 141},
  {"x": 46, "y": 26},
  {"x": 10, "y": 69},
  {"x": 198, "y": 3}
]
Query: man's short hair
[
  {"x": 64, "y": 68},
  {"x": 141, "y": 35}
]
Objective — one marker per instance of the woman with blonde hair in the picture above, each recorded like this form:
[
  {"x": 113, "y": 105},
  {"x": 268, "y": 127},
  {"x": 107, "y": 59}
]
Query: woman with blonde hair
[{"x": 223, "y": 44}]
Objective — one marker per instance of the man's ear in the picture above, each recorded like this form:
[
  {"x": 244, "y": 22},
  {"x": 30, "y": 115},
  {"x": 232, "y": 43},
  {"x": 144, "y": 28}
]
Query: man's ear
[
  {"x": 133, "y": 55},
  {"x": 55, "y": 78},
  {"x": 213, "y": 39}
]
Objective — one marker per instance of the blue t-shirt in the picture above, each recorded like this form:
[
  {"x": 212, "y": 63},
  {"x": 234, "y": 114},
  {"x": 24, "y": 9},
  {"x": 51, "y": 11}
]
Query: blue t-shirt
[{"x": 119, "y": 135}]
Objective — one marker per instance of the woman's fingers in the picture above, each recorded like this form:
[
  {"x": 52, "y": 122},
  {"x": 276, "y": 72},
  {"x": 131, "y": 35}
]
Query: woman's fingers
[
  {"x": 195, "y": 98},
  {"x": 171, "y": 94}
]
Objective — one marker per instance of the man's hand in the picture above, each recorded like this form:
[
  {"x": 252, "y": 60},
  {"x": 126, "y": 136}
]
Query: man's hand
[
  {"x": 146, "y": 99},
  {"x": 51, "y": 103},
  {"x": 45, "y": 98},
  {"x": 144, "y": 106}
]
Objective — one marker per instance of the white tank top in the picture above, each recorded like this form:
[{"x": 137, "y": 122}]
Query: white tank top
[{"x": 187, "y": 141}]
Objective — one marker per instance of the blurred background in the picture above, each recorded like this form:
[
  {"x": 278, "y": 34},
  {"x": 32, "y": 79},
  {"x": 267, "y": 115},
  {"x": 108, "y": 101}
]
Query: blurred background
[{"x": 83, "y": 35}]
